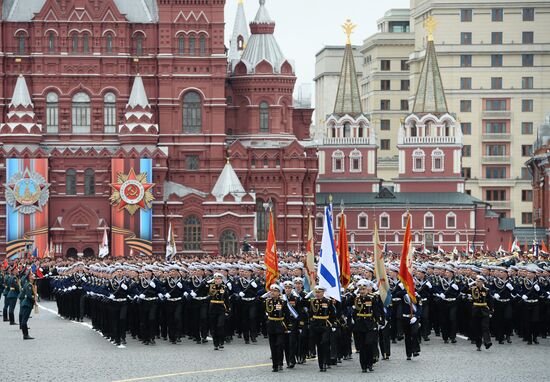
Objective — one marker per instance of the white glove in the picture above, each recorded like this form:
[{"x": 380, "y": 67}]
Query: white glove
[
  {"x": 442, "y": 295},
  {"x": 241, "y": 294},
  {"x": 229, "y": 286},
  {"x": 333, "y": 329},
  {"x": 152, "y": 284},
  {"x": 254, "y": 285},
  {"x": 413, "y": 320},
  {"x": 496, "y": 295},
  {"x": 167, "y": 295},
  {"x": 524, "y": 297},
  {"x": 185, "y": 294},
  {"x": 401, "y": 286},
  {"x": 84, "y": 279},
  {"x": 123, "y": 286},
  {"x": 454, "y": 286},
  {"x": 179, "y": 285},
  {"x": 509, "y": 286},
  {"x": 160, "y": 295},
  {"x": 537, "y": 287},
  {"x": 429, "y": 284},
  {"x": 193, "y": 294},
  {"x": 407, "y": 299},
  {"x": 111, "y": 296},
  {"x": 142, "y": 296}
]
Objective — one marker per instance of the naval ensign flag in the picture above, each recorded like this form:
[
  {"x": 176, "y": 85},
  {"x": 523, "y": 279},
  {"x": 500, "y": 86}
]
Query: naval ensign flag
[{"x": 328, "y": 269}]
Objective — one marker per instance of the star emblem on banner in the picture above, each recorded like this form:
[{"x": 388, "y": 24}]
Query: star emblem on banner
[
  {"x": 132, "y": 192},
  {"x": 27, "y": 192}
]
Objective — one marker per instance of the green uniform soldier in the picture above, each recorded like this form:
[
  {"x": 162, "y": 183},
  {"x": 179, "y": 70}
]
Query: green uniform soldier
[
  {"x": 27, "y": 297},
  {"x": 12, "y": 287}
]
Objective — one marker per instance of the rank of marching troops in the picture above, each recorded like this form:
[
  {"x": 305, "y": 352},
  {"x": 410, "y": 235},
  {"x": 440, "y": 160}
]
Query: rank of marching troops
[{"x": 221, "y": 302}]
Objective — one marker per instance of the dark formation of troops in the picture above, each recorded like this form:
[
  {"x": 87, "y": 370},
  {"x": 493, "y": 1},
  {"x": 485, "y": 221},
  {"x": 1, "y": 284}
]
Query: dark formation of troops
[{"x": 220, "y": 301}]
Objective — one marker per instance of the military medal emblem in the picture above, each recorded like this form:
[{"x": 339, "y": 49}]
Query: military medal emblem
[
  {"x": 27, "y": 192},
  {"x": 132, "y": 192}
]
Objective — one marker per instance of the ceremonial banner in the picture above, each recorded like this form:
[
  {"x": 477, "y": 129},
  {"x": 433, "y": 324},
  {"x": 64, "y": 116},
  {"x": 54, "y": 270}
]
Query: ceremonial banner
[
  {"x": 271, "y": 260},
  {"x": 131, "y": 211},
  {"x": 328, "y": 270},
  {"x": 380, "y": 270},
  {"x": 405, "y": 268},
  {"x": 310, "y": 258},
  {"x": 27, "y": 195},
  {"x": 343, "y": 253}
]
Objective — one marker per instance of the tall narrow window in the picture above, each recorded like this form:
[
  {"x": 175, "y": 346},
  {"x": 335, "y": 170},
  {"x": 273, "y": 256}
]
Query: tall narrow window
[
  {"x": 181, "y": 45},
  {"x": 109, "y": 113},
  {"x": 202, "y": 45},
  {"x": 52, "y": 113},
  {"x": 264, "y": 117},
  {"x": 86, "y": 43},
  {"x": 70, "y": 182},
  {"x": 51, "y": 42},
  {"x": 81, "y": 113},
  {"x": 192, "y": 43},
  {"x": 192, "y": 233},
  {"x": 192, "y": 113},
  {"x": 74, "y": 43},
  {"x": 21, "y": 43},
  {"x": 89, "y": 182},
  {"x": 139, "y": 45},
  {"x": 109, "y": 43}
]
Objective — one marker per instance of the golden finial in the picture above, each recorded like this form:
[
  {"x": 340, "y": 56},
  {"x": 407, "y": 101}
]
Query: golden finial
[
  {"x": 348, "y": 30},
  {"x": 430, "y": 24},
  {"x": 241, "y": 1}
]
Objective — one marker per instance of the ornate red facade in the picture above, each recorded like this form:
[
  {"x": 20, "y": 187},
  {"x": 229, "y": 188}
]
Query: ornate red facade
[{"x": 109, "y": 79}]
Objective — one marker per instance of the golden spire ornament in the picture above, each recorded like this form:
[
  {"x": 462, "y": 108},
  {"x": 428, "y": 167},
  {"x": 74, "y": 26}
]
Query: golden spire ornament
[
  {"x": 430, "y": 24},
  {"x": 348, "y": 30}
]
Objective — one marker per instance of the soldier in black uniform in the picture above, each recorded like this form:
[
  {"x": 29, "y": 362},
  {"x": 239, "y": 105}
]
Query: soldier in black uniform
[
  {"x": 367, "y": 316},
  {"x": 219, "y": 307},
  {"x": 424, "y": 290},
  {"x": 291, "y": 332},
  {"x": 303, "y": 333},
  {"x": 481, "y": 313},
  {"x": 174, "y": 304},
  {"x": 530, "y": 294},
  {"x": 199, "y": 306},
  {"x": 118, "y": 306},
  {"x": 322, "y": 316},
  {"x": 246, "y": 290},
  {"x": 276, "y": 310},
  {"x": 148, "y": 305},
  {"x": 501, "y": 293}
]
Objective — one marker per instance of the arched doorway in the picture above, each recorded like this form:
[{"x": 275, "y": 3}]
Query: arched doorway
[
  {"x": 229, "y": 243},
  {"x": 89, "y": 252},
  {"x": 72, "y": 252}
]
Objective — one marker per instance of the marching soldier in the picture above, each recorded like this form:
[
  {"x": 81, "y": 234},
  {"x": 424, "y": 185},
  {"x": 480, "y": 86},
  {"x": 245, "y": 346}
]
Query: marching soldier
[
  {"x": 247, "y": 291},
  {"x": 322, "y": 317},
  {"x": 199, "y": 306},
  {"x": 291, "y": 332},
  {"x": 481, "y": 313},
  {"x": 219, "y": 308},
  {"x": 277, "y": 314}
]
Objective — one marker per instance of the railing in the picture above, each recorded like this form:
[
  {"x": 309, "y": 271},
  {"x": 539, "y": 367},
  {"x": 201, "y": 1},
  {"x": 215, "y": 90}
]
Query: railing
[
  {"x": 500, "y": 204},
  {"x": 497, "y": 137},
  {"x": 496, "y": 159},
  {"x": 347, "y": 141},
  {"x": 423, "y": 140},
  {"x": 500, "y": 114}
]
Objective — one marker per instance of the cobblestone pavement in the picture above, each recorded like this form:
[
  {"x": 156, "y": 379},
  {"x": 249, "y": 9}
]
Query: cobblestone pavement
[{"x": 70, "y": 351}]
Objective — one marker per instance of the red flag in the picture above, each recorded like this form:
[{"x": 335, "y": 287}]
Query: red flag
[
  {"x": 525, "y": 248},
  {"x": 543, "y": 247},
  {"x": 5, "y": 264},
  {"x": 271, "y": 261},
  {"x": 39, "y": 273},
  {"x": 510, "y": 245},
  {"x": 310, "y": 259},
  {"x": 405, "y": 268},
  {"x": 343, "y": 253}
]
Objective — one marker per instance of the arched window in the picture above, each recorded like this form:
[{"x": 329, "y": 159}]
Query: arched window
[
  {"x": 356, "y": 159},
  {"x": 74, "y": 43},
  {"x": 181, "y": 45},
  {"x": 360, "y": 131},
  {"x": 202, "y": 45},
  {"x": 338, "y": 161},
  {"x": 347, "y": 130},
  {"x": 192, "y": 45},
  {"x": 228, "y": 243},
  {"x": 138, "y": 44},
  {"x": 51, "y": 42},
  {"x": 192, "y": 233},
  {"x": 21, "y": 38},
  {"x": 109, "y": 43},
  {"x": 438, "y": 160},
  {"x": 262, "y": 220},
  {"x": 81, "y": 113},
  {"x": 418, "y": 160},
  {"x": 363, "y": 220},
  {"x": 109, "y": 113},
  {"x": 264, "y": 117},
  {"x": 414, "y": 130},
  {"x": 451, "y": 220},
  {"x": 52, "y": 112},
  {"x": 192, "y": 113},
  {"x": 86, "y": 43},
  {"x": 240, "y": 42},
  {"x": 428, "y": 129},
  {"x": 404, "y": 218},
  {"x": 429, "y": 220},
  {"x": 89, "y": 182},
  {"x": 70, "y": 182},
  {"x": 384, "y": 221}
]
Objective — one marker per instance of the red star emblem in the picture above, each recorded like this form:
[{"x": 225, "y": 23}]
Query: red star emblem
[{"x": 132, "y": 192}]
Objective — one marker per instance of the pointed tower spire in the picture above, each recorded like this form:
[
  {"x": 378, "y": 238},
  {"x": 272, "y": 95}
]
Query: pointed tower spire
[
  {"x": 228, "y": 183},
  {"x": 21, "y": 96},
  {"x": 241, "y": 34},
  {"x": 348, "y": 99},
  {"x": 430, "y": 95},
  {"x": 138, "y": 126}
]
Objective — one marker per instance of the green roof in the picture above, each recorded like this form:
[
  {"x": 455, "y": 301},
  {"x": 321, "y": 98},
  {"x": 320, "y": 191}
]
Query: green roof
[{"x": 399, "y": 199}]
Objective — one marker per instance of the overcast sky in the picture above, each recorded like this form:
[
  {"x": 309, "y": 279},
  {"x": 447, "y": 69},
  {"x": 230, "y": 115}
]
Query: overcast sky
[{"x": 305, "y": 26}]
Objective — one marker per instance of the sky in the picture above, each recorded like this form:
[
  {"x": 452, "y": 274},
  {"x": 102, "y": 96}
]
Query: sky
[{"x": 305, "y": 26}]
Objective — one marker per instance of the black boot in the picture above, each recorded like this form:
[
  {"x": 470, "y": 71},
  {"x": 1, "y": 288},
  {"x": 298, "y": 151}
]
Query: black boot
[{"x": 25, "y": 330}]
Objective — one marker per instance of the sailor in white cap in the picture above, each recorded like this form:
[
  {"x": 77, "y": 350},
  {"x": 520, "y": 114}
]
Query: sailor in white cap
[
  {"x": 277, "y": 315},
  {"x": 219, "y": 307}
]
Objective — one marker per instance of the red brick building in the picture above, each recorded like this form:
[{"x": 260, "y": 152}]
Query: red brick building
[{"x": 149, "y": 83}]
